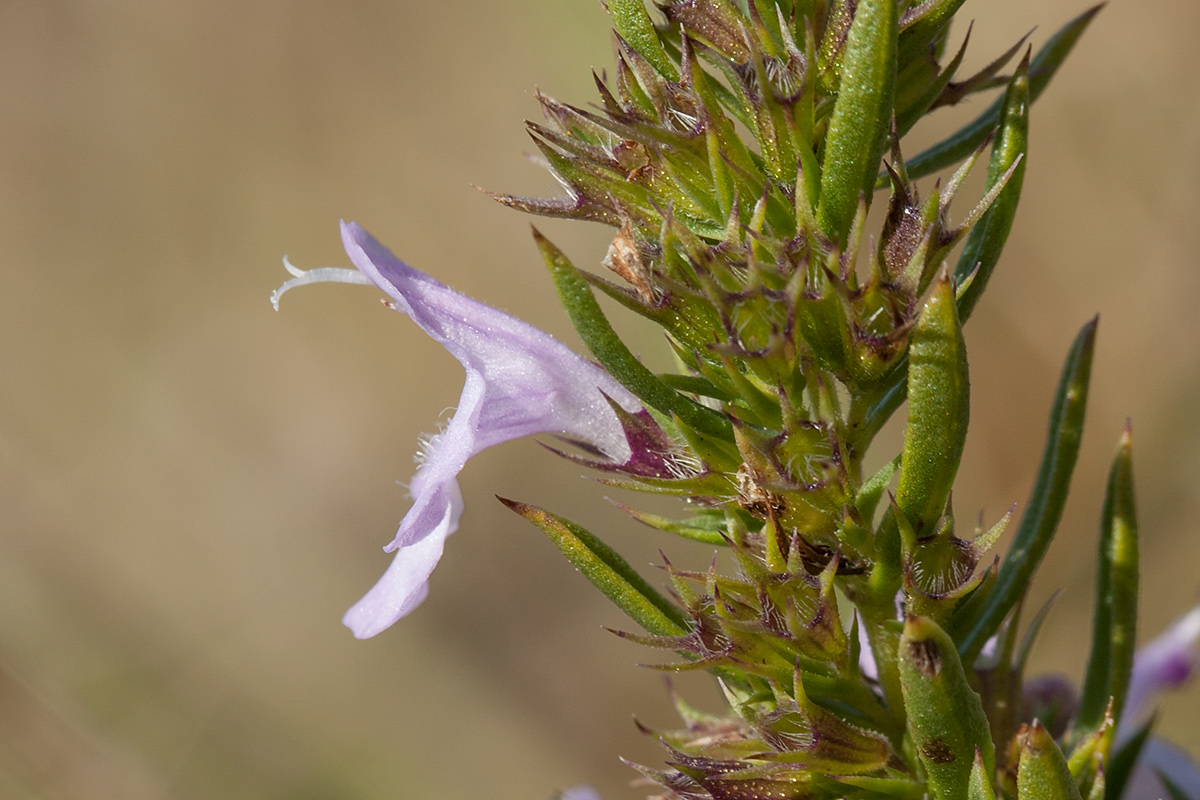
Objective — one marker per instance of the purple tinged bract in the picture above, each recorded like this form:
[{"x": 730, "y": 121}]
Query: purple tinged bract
[{"x": 519, "y": 381}]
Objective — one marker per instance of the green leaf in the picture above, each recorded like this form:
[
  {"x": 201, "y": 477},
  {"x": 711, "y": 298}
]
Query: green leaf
[
  {"x": 967, "y": 610},
  {"x": 924, "y": 27},
  {"x": 1120, "y": 766},
  {"x": 1114, "y": 622},
  {"x": 945, "y": 716},
  {"x": 1031, "y": 633},
  {"x": 979, "y": 787},
  {"x": 873, "y": 488},
  {"x": 607, "y": 571},
  {"x": 861, "y": 117},
  {"x": 698, "y": 529},
  {"x": 1089, "y": 753},
  {"x": 985, "y": 78},
  {"x": 719, "y": 24},
  {"x": 1009, "y": 152},
  {"x": 1041, "y": 70},
  {"x": 635, "y": 26},
  {"x": 899, "y": 788},
  {"x": 939, "y": 397},
  {"x": 1043, "y": 773},
  {"x": 694, "y": 384},
  {"x": 1048, "y": 497},
  {"x": 913, "y": 110},
  {"x": 603, "y": 342}
]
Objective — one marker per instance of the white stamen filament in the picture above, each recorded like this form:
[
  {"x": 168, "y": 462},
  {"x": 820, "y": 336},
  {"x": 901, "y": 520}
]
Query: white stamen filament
[{"x": 318, "y": 275}]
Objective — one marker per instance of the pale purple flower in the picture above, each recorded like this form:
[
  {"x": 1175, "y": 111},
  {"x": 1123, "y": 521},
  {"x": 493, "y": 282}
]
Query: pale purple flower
[
  {"x": 580, "y": 793},
  {"x": 1167, "y": 662},
  {"x": 1159, "y": 757},
  {"x": 519, "y": 381}
]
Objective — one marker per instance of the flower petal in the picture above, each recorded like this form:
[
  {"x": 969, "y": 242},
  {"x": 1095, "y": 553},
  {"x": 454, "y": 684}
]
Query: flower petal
[
  {"x": 1160, "y": 757},
  {"x": 580, "y": 793},
  {"x": 1168, "y": 662},
  {"x": 406, "y": 583},
  {"x": 519, "y": 381},
  {"x": 533, "y": 383}
]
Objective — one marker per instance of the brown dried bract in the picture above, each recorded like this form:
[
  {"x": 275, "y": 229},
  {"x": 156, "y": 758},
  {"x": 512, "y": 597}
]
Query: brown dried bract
[{"x": 625, "y": 259}]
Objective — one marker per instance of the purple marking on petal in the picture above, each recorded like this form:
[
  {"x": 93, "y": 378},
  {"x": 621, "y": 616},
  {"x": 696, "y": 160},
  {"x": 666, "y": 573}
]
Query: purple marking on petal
[{"x": 519, "y": 381}]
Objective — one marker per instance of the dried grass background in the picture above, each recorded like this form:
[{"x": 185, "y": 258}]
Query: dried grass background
[{"x": 193, "y": 488}]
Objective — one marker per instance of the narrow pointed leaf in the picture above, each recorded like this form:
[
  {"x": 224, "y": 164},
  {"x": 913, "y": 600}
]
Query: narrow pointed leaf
[
  {"x": 873, "y": 488},
  {"x": 979, "y": 787},
  {"x": 684, "y": 528},
  {"x": 1042, "y": 773},
  {"x": 1041, "y": 70},
  {"x": 925, "y": 27},
  {"x": 1114, "y": 622},
  {"x": 1120, "y": 767},
  {"x": 858, "y": 129},
  {"x": 1090, "y": 752},
  {"x": 1173, "y": 789},
  {"x": 967, "y": 610},
  {"x": 607, "y": 571},
  {"x": 985, "y": 78},
  {"x": 1009, "y": 152},
  {"x": 694, "y": 384},
  {"x": 1031, "y": 634},
  {"x": 1049, "y": 494}
]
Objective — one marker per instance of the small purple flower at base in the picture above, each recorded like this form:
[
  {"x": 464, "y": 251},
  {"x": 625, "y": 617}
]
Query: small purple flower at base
[
  {"x": 579, "y": 793},
  {"x": 520, "y": 381},
  {"x": 1158, "y": 760},
  {"x": 1167, "y": 662},
  {"x": 1050, "y": 699}
]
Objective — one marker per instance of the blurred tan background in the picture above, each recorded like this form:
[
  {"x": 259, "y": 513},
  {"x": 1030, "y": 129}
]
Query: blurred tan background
[{"x": 193, "y": 488}]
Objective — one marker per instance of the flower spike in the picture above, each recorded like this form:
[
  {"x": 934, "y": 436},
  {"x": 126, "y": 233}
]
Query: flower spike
[{"x": 735, "y": 152}]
